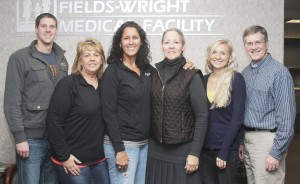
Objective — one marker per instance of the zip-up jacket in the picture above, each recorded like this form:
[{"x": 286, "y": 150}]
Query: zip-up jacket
[
  {"x": 173, "y": 120},
  {"x": 28, "y": 89},
  {"x": 125, "y": 98},
  {"x": 74, "y": 121}
]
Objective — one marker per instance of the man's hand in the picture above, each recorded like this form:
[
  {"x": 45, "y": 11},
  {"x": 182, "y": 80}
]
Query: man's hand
[
  {"x": 271, "y": 164},
  {"x": 70, "y": 165},
  {"x": 23, "y": 149},
  {"x": 241, "y": 153},
  {"x": 122, "y": 160},
  {"x": 192, "y": 163}
]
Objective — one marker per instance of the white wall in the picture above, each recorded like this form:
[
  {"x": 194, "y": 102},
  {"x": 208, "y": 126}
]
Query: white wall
[{"x": 211, "y": 20}]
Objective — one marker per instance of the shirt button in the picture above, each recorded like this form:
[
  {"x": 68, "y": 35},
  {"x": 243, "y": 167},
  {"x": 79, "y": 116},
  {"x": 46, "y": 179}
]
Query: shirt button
[{"x": 38, "y": 107}]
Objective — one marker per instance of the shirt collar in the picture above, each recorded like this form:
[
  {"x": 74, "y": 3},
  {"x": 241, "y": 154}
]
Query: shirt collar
[{"x": 257, "y": 65}]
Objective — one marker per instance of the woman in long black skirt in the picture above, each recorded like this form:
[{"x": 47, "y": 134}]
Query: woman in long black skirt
[{"x": 179, "y": 117}]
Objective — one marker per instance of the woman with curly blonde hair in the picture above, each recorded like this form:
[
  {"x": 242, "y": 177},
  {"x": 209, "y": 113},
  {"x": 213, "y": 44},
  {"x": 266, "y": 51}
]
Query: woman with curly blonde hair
[{"x": 226, "y": 93}]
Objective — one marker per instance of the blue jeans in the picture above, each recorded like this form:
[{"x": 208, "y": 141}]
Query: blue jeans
[
  {"x": 212, "y": 174},
  {"x": 95, "y": 174},
  {"x": 38, "y": 168},
  {"x": 136, "y": 171}
]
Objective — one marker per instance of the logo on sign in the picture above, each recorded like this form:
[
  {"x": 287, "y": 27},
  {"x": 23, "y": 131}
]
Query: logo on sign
[{"x": 28, "y": 10}]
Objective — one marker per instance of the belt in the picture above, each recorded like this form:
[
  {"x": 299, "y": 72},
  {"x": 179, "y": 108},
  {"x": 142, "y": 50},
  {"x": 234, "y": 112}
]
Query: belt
[
  {"x": 211, "y": 150},
  {"x": 250, "y": 129}
]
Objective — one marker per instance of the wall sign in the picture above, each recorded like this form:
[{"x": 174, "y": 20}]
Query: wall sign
[{"x": 103, "y": 17}]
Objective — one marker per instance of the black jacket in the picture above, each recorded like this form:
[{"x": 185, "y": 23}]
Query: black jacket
[
  {"x": 74, "y": 121},
  {"x": 126, "y": 103}
]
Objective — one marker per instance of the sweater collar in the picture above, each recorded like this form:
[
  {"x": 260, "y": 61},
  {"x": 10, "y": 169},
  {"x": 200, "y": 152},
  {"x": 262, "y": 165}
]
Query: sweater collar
[{"x": 179, "y": 61}]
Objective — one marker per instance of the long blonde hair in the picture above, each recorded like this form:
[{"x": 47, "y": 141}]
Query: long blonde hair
[
  {"x": 90, "y": 44},
  {"x": 223, "y": 89}
]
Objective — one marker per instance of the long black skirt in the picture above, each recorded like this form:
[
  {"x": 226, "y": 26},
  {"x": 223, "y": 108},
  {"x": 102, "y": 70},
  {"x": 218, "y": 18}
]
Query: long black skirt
[{"x": 166, "y": 164}]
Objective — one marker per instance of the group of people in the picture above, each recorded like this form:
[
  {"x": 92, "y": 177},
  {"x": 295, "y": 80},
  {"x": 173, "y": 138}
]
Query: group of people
[{"x": 137, "y": 123}]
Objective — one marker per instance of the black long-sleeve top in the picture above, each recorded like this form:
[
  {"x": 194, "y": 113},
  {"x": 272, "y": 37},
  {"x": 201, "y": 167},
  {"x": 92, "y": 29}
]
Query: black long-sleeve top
[
  {"x": 179, "y": 152},
  {"x": 198, "y": 102},
  {"x": 74, "y": 121},
  {"x": 126, "y": 103}
]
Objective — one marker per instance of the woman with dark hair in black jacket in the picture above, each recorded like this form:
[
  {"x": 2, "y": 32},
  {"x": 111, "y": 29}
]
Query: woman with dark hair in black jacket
[{"x": 125, "y": 92}]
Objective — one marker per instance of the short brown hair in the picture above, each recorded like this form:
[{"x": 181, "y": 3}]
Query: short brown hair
[
  {"x": 255, "y": 29},
  {"x": 44, "y": 15}
]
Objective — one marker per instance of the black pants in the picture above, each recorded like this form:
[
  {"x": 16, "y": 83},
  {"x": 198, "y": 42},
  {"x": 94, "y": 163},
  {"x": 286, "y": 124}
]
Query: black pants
[{"x": 211, "y": 174}]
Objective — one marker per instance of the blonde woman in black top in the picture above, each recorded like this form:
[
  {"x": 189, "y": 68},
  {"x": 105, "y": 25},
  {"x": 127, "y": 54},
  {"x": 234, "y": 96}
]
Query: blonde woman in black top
[{"x": 74, "y": 121}]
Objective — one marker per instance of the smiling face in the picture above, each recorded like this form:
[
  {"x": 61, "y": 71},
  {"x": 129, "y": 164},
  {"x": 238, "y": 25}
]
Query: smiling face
[
  {"x": 46, "y": 31},
  {"x": 256, "y": 46},
  {"x": 130, "y": 42},
  {"x": 172, "y": 45},
  {"x": 90, "y": 61},
  {"x": 219, "y": 57}
]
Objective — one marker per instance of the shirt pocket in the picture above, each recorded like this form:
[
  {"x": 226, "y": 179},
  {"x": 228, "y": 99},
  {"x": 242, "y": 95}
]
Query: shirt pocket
[
  {"x": 35, "y": 114},
  {"x": 39, "y": 106},
  {"x": 63, "y": 67},
  {"x": 39, "y": 72}
]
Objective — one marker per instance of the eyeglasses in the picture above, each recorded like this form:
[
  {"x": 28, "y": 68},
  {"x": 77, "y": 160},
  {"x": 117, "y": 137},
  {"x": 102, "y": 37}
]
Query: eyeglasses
[{"x": 257, "y": 43}]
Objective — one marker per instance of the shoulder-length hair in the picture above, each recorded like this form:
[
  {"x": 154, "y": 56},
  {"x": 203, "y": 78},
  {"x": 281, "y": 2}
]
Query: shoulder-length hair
[
  {"x": 223, "y": 89},
  {"x": 143, "y": 57},
  {"x": 90, "y": 44}
]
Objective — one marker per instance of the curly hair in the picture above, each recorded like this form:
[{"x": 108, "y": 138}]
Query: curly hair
[
  {"x": 143, "y": 57},
  {"x": 223, "y": 89}
]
